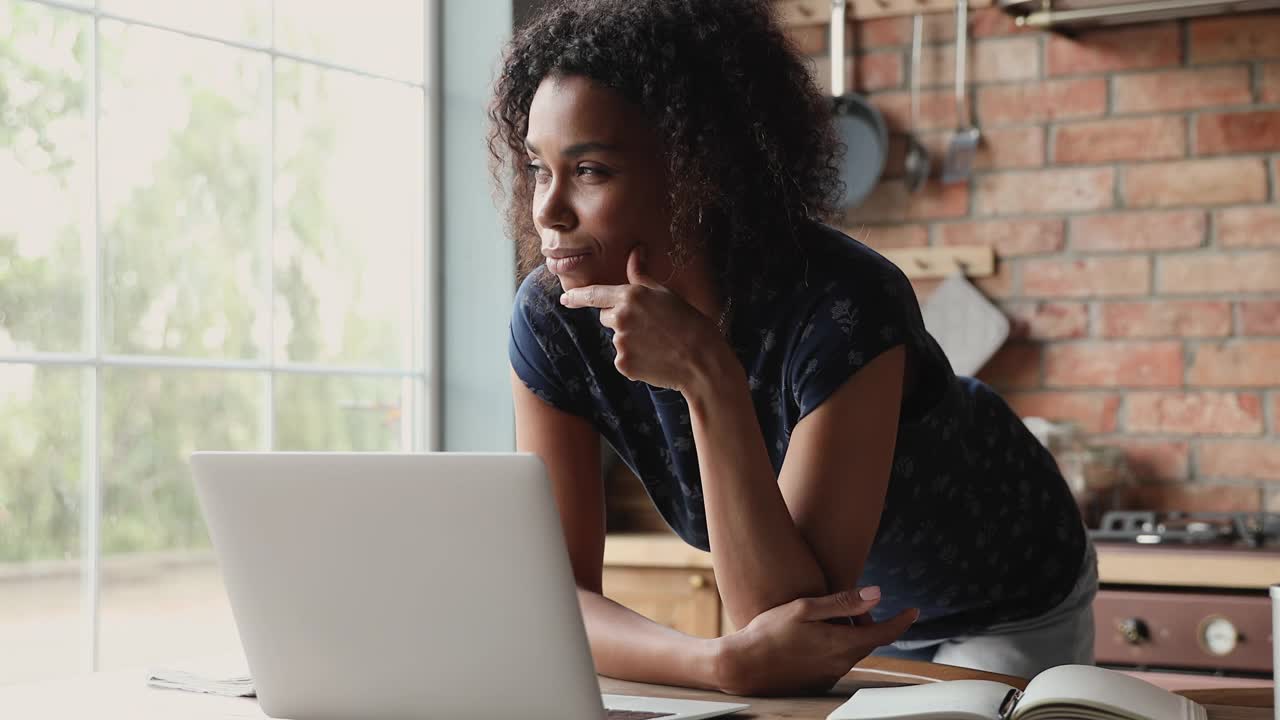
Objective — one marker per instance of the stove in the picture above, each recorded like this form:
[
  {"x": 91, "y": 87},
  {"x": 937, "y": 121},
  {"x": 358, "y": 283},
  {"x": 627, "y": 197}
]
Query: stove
[
  {"x": 1202, "y": 528},
  {"x": 1187, "y": 592}
]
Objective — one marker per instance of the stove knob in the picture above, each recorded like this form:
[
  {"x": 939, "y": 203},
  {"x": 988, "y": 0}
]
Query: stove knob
[
  {"x": 1218, "y": 635},
  {"x": 1134, "y": 631}
]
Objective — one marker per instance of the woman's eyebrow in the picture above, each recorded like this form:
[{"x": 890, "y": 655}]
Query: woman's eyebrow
[{"x": 581, "y": 148}]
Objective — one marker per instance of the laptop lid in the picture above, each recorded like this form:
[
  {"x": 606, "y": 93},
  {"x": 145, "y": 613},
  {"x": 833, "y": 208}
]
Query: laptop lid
[{"x": 398, "y": 585}]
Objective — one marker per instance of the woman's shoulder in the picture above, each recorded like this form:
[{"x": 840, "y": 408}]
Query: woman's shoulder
[
  {"x": 537, "y": 300},
  {"x": 832, "y": 263}
]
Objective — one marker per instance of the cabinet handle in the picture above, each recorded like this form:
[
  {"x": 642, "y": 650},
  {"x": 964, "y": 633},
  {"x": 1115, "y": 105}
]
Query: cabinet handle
[{"x": 697, "y": 582}]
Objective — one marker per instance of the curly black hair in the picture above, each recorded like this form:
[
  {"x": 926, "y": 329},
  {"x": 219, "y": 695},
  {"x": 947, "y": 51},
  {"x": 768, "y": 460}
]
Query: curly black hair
[{"x": 750, "y": 147}]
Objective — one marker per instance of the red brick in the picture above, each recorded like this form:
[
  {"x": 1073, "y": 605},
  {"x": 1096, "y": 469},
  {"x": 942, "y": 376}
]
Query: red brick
[
  {"x": 1245, "y": 459},
  {"x": 1260, "y": 317},
  {"x": 1197, "y": 413},
  {"x": 1086, "y": 277},
  {"x": 1016, "y": 366},
  {"x": 1235, "y": 37},
  {"x": 1091, "y": 412},
  {"x": 1041, "y": 101},
  {"x": 1131, "y": 48},
  {"x": 1193, "y": 498},
  {"x": 1003, "y": 60},
  {"x": 1271, "y": 83},
  {"x": 998, "y": 285},
  {"x": 1166, "y": 319},
  {"x": 1048, "y": 320},
  {"x": 890, "y": 201},
  {"x": 1103, "y": 141},
  {"x": 1006, "y": 148},
  {"x": 881, "y": 32},
  {"x": 1236, "y": 363},
  {"x": 1008, "y": 237},
  {"x": 937, "y": 110},
  {"x": 1114, "y": 364},
  {"x": 879, "y": 71},
  {"x": 1219, "y": 133},
  {"x": 990, "y": 22},
  {"x": 1136, "y": 231},
  {"x": 1181, "y": 89},
  {"x": 889, "y": 237},
  {"x": 874, "y": 71},
  {"x": 1154, "y": 460},
  {"x": 1244, "y": 227},
  {"x": 1043, "y": 191},
  {"x": 1257, "y": 271},
  {"x": 1221, "y": 181},
  {"x": 810, "y": 39}
]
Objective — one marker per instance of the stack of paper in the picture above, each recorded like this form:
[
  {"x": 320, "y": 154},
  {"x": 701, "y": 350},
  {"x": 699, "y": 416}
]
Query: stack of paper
[{"x": 235, "y": 686}]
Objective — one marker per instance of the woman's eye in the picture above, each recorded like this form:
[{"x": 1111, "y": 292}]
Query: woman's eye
[
  {"x": 537, "y": 171},
  {"x": 589, "y": 171}
]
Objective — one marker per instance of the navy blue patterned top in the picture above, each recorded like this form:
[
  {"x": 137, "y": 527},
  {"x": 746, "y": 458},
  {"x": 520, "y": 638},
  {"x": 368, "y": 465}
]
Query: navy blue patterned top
[{"x": 978, "y": 526}]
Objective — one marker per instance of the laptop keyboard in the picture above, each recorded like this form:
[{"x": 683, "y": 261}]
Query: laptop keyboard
[{"x": 632, "y": 715}]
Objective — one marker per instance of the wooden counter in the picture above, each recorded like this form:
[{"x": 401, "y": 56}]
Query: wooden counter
[
  {"x": 125, "y": 696},
  {"x": 1179, "y": 566}
]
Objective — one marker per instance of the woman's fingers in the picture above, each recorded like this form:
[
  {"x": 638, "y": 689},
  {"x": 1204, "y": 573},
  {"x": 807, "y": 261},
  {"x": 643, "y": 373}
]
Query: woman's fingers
[
  {"x": 883, "y": 633},
  {"x": 843, "y": 604},
  {"x": 596, "y": 296}
]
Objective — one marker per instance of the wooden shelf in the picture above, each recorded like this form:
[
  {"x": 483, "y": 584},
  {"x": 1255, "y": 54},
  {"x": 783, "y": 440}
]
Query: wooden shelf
[
  {"x": 795, "y": 13},
  {"x": 939, "y": 262}
]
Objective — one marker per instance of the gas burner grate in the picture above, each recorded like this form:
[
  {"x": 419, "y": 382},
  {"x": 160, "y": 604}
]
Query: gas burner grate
[{"x": 1201, "y": 528}]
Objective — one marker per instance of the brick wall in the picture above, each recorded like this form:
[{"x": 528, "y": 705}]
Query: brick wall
[{"x": 1128, "y": 183}]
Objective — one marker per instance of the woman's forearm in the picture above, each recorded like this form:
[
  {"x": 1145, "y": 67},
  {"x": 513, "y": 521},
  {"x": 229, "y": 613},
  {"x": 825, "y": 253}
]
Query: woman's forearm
[
  {"x": 760, "y": 558},
  {"x": 629, "y": 646}
]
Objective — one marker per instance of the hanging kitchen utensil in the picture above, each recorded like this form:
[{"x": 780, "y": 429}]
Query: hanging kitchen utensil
[
  {"x": 964, "y": 143},
  {"x": 860, "y": 126},
  {"x": 916, "y": 164}
]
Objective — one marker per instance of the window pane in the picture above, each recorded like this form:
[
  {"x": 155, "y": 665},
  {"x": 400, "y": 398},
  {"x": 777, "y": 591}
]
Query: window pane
[
  {"x": 349, "y": 197},
  {"x": 162, "y": 596},
  {"x": 183, "y": 141},
  {"x": 44, "y": 177},
  {"x": 315, "y": 412},
  {"x": 379, "y": 36},
  {"x": 239, "y": 20},
  {"x": 40, "y": 451}
]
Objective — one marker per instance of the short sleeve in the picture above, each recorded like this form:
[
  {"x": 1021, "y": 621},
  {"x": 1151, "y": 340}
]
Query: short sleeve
[
  {"x": 541, "y": 345},
  {"x": 848, "y": 324}
]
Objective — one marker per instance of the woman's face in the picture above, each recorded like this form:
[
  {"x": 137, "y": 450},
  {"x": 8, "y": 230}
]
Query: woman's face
[{"x": 599, "y": 183}]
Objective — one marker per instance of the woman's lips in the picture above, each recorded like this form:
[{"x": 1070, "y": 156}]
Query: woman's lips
[{"x": 568, "y": 263}]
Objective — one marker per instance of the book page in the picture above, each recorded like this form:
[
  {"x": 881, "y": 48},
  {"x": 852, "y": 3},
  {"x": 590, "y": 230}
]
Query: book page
[
  {"x": 1115, "y": 694},
  {"x": 951, "y": 700}
]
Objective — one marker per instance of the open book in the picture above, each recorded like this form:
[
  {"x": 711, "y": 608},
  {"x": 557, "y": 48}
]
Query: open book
[{"x": 1066, "y": 692}]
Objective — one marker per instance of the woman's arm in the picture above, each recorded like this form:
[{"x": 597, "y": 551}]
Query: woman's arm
[
  {"x": 773, "y": 539},
  {"x": 807, "y": 532},
  {"x": 787, "y": 649},
  {"x": 624, "y": 644}
]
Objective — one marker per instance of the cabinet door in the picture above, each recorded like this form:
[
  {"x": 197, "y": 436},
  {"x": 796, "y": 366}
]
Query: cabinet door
[{"x": 683, "y": 599}]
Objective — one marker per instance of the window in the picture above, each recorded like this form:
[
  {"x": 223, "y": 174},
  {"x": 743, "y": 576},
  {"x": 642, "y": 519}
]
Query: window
[{"x": 212, "y": 236}]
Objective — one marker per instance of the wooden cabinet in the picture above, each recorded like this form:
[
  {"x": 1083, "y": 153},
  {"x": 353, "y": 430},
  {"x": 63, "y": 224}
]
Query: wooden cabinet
[
  {"x": 682, "y": 598},
  {"x": 657, "y": 575}
]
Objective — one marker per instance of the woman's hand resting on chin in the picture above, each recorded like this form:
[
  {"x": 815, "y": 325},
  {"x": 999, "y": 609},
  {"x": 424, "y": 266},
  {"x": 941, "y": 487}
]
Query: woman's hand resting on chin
[{"x": 659, "y": 338}]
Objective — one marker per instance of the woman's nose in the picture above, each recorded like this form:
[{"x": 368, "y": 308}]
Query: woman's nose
[{"x": 553, "y": 208}]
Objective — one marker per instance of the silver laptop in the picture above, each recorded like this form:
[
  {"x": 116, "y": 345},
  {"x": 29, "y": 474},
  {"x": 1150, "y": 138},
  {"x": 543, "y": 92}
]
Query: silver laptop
[{"x": 406, "y": 586}]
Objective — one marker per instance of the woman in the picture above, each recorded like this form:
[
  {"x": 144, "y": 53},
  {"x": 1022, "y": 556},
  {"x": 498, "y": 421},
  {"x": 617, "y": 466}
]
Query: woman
[{"x": 769, "y": 379}]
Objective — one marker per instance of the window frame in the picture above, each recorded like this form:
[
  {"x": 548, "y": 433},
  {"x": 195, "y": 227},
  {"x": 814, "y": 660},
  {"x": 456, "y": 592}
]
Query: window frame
[{"x": 422, "y": 384}]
